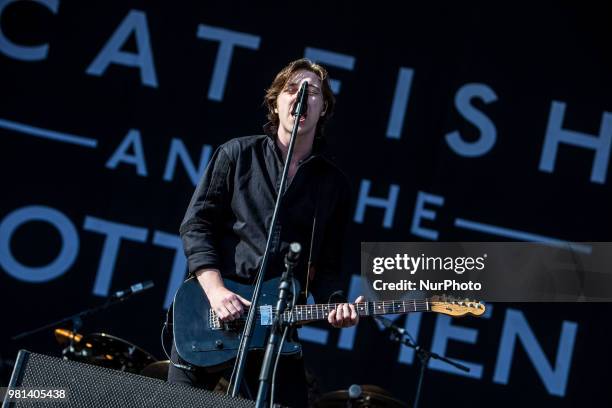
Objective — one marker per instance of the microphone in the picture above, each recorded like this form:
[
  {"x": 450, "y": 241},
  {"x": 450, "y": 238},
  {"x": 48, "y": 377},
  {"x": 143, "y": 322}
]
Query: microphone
[
  {"x": 293, "y": 253},
  {"x": 301, "y": 100},
  {"x": 390, "y": 326},
  {"x": 132, "y": 290}
]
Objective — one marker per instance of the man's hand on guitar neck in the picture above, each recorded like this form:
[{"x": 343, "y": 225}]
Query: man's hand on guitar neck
[
  {"x": 227, "y": 304},
  {"x": 344, "y": 315}
]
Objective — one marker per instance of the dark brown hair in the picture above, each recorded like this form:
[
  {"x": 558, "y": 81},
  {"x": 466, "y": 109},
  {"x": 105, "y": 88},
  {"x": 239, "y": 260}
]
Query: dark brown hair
[{"x": 285, "y": 75}]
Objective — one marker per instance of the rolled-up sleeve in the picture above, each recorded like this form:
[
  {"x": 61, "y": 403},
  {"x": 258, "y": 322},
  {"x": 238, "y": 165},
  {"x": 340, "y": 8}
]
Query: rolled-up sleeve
[{"x": 200, "y": 227}]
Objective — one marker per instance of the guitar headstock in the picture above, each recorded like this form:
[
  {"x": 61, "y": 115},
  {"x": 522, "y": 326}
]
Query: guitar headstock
[{"x": 456, "y": 307}]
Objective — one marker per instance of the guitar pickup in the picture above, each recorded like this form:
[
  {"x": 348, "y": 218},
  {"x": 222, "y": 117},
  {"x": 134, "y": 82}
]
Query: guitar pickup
[
  {"x": 213, "y": 321},
  {"x": 266, "y": 316}
]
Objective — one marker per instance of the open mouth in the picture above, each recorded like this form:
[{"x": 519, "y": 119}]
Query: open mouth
[
  {"x": 293, "y": 112},
  {"x": 302, "y": 118}
]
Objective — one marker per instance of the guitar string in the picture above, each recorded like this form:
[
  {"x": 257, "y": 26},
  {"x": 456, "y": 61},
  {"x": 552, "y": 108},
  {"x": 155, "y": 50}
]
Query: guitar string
[
  {"x": 376, "y": 304},
  {"x": 384, "y": 303},
  {"x": 388, "y": 306}
]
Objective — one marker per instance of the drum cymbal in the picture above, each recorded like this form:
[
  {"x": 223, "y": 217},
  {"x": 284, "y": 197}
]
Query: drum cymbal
[
  {"x": 109, "y": 351},
  {"x": 370, "y": 396}
]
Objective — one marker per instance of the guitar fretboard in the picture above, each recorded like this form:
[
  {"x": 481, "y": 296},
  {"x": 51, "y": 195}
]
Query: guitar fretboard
[
  {"x": 302, "y": 313},
  {"x": 309, "y": 313}
]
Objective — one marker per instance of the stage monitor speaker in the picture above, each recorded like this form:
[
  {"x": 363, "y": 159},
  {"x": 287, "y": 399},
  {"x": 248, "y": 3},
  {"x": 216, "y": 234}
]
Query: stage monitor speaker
[{"x": 92, "y": 386}]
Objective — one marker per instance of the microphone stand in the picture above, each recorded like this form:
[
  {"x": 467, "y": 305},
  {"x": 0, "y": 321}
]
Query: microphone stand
[
  {"x": 77, "y": 318},
  {"x": 401, "y": 336},
  {"x": 284, "y": 297},
  {"x": 247, "y": 333}
]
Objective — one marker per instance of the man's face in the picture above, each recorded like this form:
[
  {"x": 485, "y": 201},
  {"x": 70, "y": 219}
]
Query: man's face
[{"x": 288, "y": 98}]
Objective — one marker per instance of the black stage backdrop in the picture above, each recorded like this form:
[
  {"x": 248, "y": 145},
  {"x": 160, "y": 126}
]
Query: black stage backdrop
[{"x": 454, "y": 123}]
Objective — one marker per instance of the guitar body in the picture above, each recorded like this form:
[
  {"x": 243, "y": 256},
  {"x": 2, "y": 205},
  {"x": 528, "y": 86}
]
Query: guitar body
[{"x": 203, "y": 341}]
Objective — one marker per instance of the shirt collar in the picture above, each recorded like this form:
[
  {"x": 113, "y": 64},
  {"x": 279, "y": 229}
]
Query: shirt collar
[{"x": 318, "y": 146}]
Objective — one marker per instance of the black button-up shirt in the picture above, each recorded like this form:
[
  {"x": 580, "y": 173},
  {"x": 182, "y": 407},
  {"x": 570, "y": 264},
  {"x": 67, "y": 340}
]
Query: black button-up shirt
[{"x": 227, "y": 221}]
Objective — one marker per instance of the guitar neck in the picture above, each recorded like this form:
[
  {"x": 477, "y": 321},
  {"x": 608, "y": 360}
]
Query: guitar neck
[{"x": 308, "y": 313}]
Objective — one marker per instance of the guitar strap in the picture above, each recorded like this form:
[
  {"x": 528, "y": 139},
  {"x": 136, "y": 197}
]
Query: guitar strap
[{"x": 310, "y": 271}]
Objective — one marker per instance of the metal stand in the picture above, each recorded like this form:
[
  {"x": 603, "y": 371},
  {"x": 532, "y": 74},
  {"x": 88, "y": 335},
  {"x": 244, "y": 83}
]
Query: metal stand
[
  {"x": 399, "y": 335},
  {"x": 247, "y": 333},
  {"x": 76, "y": 319},
  {"x": 278, "y": 324}
]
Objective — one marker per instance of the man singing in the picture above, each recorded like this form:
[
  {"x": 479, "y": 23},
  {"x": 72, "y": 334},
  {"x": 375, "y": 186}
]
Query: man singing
[{"x": 225, "y": 229}]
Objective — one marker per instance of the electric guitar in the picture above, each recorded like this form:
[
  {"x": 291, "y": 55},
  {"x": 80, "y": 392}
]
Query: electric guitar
[{"x": 204, "y": 341}]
